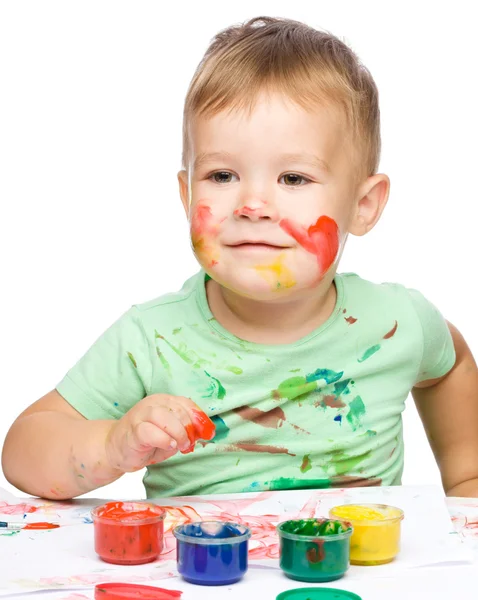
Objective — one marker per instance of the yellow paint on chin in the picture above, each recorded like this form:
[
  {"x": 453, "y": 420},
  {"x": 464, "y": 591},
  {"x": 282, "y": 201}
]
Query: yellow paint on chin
[{"x": 277, "y": 274}]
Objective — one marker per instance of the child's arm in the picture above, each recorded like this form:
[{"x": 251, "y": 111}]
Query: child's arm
[
  {"x": 52, "y": 451},
  {"x": 448, "y": 408}
]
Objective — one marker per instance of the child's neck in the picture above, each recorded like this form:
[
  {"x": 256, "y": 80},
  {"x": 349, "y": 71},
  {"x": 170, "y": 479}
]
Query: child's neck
[{"x": 271, "y": 323}]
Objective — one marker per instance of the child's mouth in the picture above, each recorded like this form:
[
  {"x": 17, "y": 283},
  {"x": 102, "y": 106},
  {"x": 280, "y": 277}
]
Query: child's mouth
[{"x": 257, "y": 246}]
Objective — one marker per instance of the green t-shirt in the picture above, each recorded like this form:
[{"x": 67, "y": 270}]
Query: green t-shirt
[{"x": 323, "y": 411}]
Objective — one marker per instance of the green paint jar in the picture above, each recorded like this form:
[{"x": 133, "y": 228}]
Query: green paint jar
[{"x": 314, "y": 550}]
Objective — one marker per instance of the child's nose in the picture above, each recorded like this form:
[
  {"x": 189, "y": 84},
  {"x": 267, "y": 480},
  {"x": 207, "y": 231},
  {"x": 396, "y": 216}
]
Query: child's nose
[{"x": 256, "y": 209}]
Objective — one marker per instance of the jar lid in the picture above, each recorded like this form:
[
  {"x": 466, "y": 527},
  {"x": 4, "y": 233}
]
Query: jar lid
[
  {"x": 317, "y": 593},
  {"x": 133, "y": 591}
]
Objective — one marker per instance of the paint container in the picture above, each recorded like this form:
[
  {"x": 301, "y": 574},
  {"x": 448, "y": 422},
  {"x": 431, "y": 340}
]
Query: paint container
[
  {"x": 212, "y": 552},
  {"x": 376, "y": 536},
  {"x": 317, "y": 594},
  {"x": 133, "y": 591},
  {"x": 314, "y": 550},
  {"x": 128, "y": 533}
]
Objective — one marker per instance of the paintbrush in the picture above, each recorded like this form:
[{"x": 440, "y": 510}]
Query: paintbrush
[{"x": 11, "y": 526}]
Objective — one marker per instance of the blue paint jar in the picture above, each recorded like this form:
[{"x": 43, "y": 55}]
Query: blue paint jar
[{"x": 212, "y": 552}]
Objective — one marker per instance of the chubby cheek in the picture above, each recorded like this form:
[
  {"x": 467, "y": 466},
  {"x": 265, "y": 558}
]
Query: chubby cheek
[
  {"x": 204, "y": 228},
  {"x": 321, "y": 240}
]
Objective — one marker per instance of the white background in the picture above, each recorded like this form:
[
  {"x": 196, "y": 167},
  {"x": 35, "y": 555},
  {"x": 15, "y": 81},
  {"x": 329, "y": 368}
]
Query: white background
[{"x": 91, "y": 97}]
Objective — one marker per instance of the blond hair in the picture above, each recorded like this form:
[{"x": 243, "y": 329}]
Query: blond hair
[{"x": 310, "y": 67}]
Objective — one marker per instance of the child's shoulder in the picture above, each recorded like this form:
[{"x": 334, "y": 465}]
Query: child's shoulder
[
  {"x": 378, "y": 298},
  {"x": 360, "y": 286}
]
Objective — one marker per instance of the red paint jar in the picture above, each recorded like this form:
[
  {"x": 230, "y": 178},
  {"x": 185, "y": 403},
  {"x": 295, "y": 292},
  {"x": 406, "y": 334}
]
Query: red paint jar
[{"x": 128, "y": 533}]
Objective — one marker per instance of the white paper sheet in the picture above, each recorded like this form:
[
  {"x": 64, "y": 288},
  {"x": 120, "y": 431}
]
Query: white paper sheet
[{"x": 64, "y": 558}]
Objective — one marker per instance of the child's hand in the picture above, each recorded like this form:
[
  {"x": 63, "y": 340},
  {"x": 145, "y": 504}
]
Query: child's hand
[{"x": 154, "y": 430}]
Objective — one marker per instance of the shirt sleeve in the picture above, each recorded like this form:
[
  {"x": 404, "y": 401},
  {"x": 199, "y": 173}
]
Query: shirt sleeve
[
  {"x": 114, "y": 374},
  {"x": 438, "y": 356}
]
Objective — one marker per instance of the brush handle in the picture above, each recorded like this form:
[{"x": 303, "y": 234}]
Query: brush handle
[{"x": 11, "y": 526}]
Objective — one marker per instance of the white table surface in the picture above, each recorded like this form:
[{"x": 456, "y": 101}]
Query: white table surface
[{"x": 450, "y": 581}]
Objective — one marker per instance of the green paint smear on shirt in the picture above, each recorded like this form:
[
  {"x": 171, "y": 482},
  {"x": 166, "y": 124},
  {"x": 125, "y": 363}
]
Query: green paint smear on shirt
[
  {"x": 215, "y": 389},
  {"x": 369, "y": 433},
  {"x": 188, "y": 356},
  {"x": 291, "y": 483},
  {"x": 294, "y": 387},
  {"x": 368, "y": 353},
  {"x": 235, "y": 370},
  {"x": 192, "y": 358},
  {"x": 306, "y": 464},
  {"x": 343, "y": 463},
  {"x": 356, "y": 412},
  {"x": 177, "y": 330},
  {"x": 342, "y": 387},
  {"x": 163, "y": 360},
  {"x": 327, "y": 375},
  {"x": 131, "y": 357},
  {"x": 222, "y": 430}
]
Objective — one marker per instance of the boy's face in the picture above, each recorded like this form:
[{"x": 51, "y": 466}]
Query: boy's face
[{"x": 270, "y": 197}]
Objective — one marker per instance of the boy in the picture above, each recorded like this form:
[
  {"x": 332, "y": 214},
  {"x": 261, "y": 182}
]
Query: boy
[{"x": 302, "y": 373}]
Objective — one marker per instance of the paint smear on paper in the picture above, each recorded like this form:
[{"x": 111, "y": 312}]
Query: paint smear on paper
[{"x": 41, "y": 525}]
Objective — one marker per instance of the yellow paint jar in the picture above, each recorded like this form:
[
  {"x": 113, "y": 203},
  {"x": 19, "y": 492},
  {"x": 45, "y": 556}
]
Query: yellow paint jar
[{"x": 376, "y": 531}]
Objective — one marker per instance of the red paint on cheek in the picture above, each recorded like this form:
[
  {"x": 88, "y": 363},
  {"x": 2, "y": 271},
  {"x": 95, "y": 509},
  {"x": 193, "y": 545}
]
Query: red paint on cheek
[
  {"x": 321, "y": 239},
  {"x": 201, "y": 219}
]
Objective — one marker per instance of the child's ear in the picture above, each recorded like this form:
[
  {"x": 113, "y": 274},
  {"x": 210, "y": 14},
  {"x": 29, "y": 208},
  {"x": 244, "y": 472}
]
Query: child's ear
[
  {"x": 371, "y": 199},
  {"x": 183, "y": 190}
]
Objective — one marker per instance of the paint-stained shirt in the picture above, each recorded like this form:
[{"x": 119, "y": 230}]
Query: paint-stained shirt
[{"x": 323, "y": 411}]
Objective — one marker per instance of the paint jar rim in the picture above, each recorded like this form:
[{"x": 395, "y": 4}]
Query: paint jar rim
[
  {"x": 397, "y": 517},
  {"x": 190, "y": 539},
  {"x": 331, "y": 537},
  {"x": 159, "y": 516}
]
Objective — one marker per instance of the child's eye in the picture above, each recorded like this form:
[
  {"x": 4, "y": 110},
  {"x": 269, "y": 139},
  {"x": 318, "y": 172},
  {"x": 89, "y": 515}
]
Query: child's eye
[
  {"x": 294, "y": 180},
  {"x": 222, "y": 177}
]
